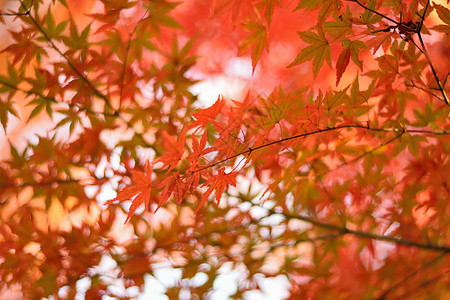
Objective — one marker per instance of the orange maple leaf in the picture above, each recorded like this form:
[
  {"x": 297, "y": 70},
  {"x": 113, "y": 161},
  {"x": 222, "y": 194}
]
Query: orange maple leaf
[
  {"x": 208, "y": 115},
  {"x": 219, "y": 183},
  {"x": 175, "y": 149},
  {"x": 140, "y": 190}
]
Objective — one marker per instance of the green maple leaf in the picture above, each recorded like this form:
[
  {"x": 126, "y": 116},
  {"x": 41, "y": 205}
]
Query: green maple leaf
[
  {"x": 6, "y": 109},
  {"x": 318, "y": 51}
]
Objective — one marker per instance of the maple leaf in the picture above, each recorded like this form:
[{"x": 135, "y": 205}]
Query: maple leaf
[
  {"x": 350, "y": 50},
  {"x": 6, "y": 109},
  {"x": 370, "y": 164},
  {"x": 219, "y": 183},
  {"x": 319, "y": 50},
  {"x": 341, "y": 27},
  {"x": 140, "y": 190},
  {"x": 444, "y": 15},
  {"x": 380, "y": 39},
  {"x": 175, "y": 149},
  {"x": 269, "y": 8},
  {"x": 327, "y": 8},
  {"x": 198, "y": 150},
  {"x": 205, "y": 116},
  {"x": 257, "y": 40},
  {"x": 342, "y": 63}
]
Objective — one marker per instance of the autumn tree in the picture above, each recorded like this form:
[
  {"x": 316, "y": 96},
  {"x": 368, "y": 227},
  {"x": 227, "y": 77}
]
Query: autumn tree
[{"x": 324, "y": 162}]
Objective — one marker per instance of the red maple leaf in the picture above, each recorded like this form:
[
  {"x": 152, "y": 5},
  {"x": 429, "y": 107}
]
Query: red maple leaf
[
  {"x": 208, "y": 115},
  {"x": 219, "y": 183},
  {"x": 175, "y": 149},
  {"x": 140, "y": 190}
]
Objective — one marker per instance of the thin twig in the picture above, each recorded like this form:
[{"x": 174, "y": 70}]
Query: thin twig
[
  {"x": 56, "y": 101},
  {"x": 423, "y": 49},
  {"x": 423, "y": 89},
  {"x": 427, "y": 56},
  {"x": 355, "y": 159},
  {"x": 15, "y": 14},
  {"x": 122, "y": 84},
  {"x": 377, "y": 13},
  {"x": 362, "y": 234},
  {"x": 404, "y": 280},
  {"x": 423, "y": 284},
  {"x": 69, "y": 62},
  {"x": 252, "y": 149},
  {"x": 50, "y": 183},
  {"x": 90, "y": 85}
]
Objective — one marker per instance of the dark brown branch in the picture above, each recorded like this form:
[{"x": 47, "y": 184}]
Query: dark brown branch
[
  {"x": 341, "y": 231},
  {"x": 423, "y": 284},
  {"x": 69, "y": 62},
  {"x": 355, "y": 159},
  {"x": 304, "y": 240},
  {"x": 252, "y": 149},
  {"x": 427, "y": 56},
  {"x": 414, "y": 85},
  {"x": 15, "y": 14},
  {"x": 404, "y": 280},
  {"x": 199, "y": 236},
  {"x": 377, "y": 13},
  {"x": 54, "y": 100},
  {"x": 363, "y": 234},
  {"x": 45, "y": 183},
  {"x": 418, "y": 31},
  {"x": 87, "y": 81}
]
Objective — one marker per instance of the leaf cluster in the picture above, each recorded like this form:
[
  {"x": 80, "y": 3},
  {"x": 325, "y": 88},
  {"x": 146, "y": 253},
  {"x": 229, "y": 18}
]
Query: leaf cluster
[{"x": 332, "y": 177}]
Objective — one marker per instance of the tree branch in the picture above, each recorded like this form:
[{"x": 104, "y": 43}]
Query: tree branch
[
  {"x": 198, "y": 237},
  {"x": 363, "y": 234},
  {"x": 87, "y": 81},
  {"x": 404, "y": 280},
  {"x": 423, "y": 284},
  {"x": 414, "y": 85},
  {"x": 54, "y": 100},
  {"x": 122, "y": 84},
  {"x": 14, "y": 14},
  {"x": 355, "y": 159},
  {"x": 427, "y": 56},
  {"x": 377, "y": 13},
  {"x": 44, "y": 183},
  {"x": 71, "y": 65},
  {"x": 252, "y": 149}
]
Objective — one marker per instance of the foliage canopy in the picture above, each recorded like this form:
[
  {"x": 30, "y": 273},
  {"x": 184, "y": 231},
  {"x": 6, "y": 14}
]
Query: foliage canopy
[{"x": 328, "y": 167}]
